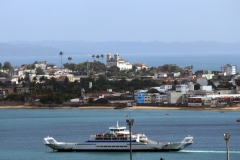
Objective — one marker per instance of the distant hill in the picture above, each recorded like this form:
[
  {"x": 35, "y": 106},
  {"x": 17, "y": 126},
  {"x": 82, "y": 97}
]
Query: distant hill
[{"x": 46, "y": 48}]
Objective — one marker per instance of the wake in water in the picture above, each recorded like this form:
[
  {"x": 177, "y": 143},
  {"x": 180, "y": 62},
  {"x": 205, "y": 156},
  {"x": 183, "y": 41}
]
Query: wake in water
[{"x": 202, "y": 151}]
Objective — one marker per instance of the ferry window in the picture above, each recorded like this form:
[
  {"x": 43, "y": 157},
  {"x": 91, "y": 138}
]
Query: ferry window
[
  {"x": 109, "y": 146},
  {"x": 117, "y": 146},
  {"x": 105, "y": 146},
  {"x": 113, "y": 146}
]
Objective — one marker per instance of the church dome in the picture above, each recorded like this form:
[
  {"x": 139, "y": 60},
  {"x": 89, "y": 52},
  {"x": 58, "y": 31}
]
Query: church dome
[
  {"x": 109, "y": 54},
  {"x": 116, "y": 54}
]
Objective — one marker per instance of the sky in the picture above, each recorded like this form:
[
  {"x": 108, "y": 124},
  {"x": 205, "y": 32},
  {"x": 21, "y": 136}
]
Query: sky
[{"x": 120, "y": 20}]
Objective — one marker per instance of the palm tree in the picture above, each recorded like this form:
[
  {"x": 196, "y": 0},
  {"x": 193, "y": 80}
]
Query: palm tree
[
  {"x": 98, "y": 57},
  {"x": 102, "y": 56},
  {"x": 93, "y": 56},
  {"x": 61, "y": 54},
  {"x": 69, "y": 58}
]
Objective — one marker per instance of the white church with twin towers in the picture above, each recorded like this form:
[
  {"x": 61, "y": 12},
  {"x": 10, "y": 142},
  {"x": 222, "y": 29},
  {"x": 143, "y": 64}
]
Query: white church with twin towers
[{"x": 117, "y": 61}]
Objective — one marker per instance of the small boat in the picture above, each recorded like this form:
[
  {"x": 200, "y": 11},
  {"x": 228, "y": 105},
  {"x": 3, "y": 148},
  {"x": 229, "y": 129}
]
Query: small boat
[
  {"x": 238, "y": 120},
  {"x": 118, "y": 139}
]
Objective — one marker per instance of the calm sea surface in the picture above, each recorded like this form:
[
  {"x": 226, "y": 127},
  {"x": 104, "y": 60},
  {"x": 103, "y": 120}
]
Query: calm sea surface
[
  {"x": 200, "y": 61},
  {"x": 22, "y": 132}
]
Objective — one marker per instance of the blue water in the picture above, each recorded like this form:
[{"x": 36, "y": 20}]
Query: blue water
[
  {"x": 200, "y": 61},
  {"x": 22, "y": 132}
]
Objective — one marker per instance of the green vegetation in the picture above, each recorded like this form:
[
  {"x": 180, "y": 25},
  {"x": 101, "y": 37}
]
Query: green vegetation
[{"x": 170, "y": 68}]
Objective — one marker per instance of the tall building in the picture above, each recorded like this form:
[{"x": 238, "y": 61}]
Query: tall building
[
  {"x": 229, "y": 69},
  {"x": 117, "y": 61}
]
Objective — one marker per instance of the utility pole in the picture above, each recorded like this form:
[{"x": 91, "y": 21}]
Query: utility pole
[
  {"x": 130, "y": 123},
  {"x": 226, "y": 136}
]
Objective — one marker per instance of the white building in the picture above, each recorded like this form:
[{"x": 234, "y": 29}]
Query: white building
[
  {"x": 140, "y": 66},
  {"x": 208, "y": 76},
  {"x": 163, "y": 88},
  {"x": 206, "y": 88},
  {"x": 154, "y": 98},
  {"x": 183, "y": 88},
  {"x": 41, "y": 64},
  {"x": 160, "y": 75},
  {"x": 202, "y": 81},
  {"x": 229, "y": 69},
  {"x": 117, "y": 61}
]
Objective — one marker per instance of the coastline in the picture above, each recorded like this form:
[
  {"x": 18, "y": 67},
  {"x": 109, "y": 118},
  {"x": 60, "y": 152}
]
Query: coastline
[{"x": 127, "y": 108}]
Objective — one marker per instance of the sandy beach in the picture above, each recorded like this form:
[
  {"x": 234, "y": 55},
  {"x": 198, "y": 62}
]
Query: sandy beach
[{"x": 130, "y": 108}]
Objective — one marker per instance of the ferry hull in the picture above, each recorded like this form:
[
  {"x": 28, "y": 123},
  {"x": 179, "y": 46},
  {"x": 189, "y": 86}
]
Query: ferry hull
[{"x": 122, "y": 147}]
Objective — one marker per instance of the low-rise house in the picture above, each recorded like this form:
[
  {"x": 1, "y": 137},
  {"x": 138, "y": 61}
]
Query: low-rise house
[
  {"x": 160, "y": 75},
  {"x": 3, "y": 79},
  {"x": 69, "y": 76},
  {"x": 206, "y": 88},
  {"x": 41, "y": 64},
  {"x": 140, "y": 66},
  {"x": 163, "y": 88},
  {"x": 202, "y": 81},
  {"x": 199, "y": 73},
  {"x": 208, "y": 76},
  {"x": 146, "y": 77},
  {"x": 51, "y": 66},
  {"x": 15, "y": 78},
  {"x": 173, "y": 75}
]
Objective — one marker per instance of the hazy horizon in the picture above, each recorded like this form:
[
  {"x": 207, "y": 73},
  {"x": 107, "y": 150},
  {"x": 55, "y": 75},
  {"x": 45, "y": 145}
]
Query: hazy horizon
[{"x": 132, "y": 21}]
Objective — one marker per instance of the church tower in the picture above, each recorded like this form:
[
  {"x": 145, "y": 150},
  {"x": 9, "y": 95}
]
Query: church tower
[
  {"x": 108, "y": 56},
  {"x": 116, "y": 57}
]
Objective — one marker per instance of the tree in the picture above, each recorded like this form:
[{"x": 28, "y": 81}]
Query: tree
[
  {"x": 197, "y": 86},
  {"x": 69, "y": 58},
  {"x": 98, "y": 57},
  {"x": 113, "y": 71},
  {"x": 31, "y": 66},
  {"x": 175, "y": 82},
  {"x": 237, "y": 81},
  {"x": 7, "y": 65},
  {"x": 41, "y": 79},
  {"x": 39, "y": 71},
  {"x": 153, "y": 90},
  {"x": 66, "y": 80},
  {"x": 61, "y": 54},
  {"x": 19, "y": 80},
  {"x": 191, "y": 67},
  {"x": 102, "y": 56},
  {"x": 93, "y": 56}
]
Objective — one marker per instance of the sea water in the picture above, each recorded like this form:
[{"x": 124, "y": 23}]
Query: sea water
[
  {"x": 199, "y": 60},
  {"x": 22, "y": 132}
]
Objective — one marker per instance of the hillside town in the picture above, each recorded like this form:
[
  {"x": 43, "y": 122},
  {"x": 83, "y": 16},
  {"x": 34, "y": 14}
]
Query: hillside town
[{"x": 117, "y": 83}]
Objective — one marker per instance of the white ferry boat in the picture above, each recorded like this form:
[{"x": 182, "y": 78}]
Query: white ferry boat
[{"x": 118, "y": 139}]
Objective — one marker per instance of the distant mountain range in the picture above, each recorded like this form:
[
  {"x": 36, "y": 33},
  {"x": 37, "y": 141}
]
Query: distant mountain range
[{"x": 50, "y": 48}]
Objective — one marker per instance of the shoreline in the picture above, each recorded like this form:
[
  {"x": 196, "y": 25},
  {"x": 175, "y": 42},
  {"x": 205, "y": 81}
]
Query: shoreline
[{"x": 127, "y": 108}]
